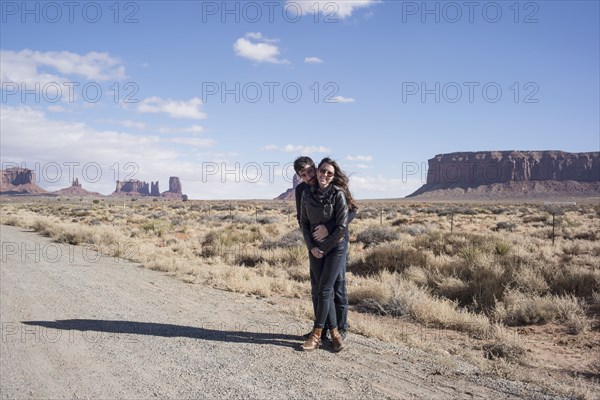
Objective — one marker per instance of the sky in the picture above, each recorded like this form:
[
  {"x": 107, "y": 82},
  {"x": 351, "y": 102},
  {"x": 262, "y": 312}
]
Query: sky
[{"x": 226, "y": 94}]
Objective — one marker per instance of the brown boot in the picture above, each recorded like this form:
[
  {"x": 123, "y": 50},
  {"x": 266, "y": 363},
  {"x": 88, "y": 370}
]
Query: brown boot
[
  {"x": 314, "y": 340},
  {"x": 337, "y": 339}
]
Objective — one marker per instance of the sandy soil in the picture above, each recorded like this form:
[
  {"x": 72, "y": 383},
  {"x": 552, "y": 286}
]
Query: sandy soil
[{"x": 77, "y": 325}]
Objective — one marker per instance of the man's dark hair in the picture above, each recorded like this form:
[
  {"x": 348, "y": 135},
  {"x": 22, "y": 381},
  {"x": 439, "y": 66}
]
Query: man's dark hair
[{"x": 301, "y": 162}]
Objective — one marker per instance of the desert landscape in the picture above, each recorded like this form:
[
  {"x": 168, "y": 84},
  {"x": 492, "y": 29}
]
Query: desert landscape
[{"x": 513, "y": 287}]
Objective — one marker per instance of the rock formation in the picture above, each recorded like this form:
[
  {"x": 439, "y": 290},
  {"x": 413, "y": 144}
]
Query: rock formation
[
  {"x": 524, "y": 172},
  {"x": 21, "y": 181},
  {"x": 154, "y": 191},
  {"x": 135, "y": 187},
  {"x": 175, "y": 185},
  {"x": 76, "y": 190},
  {"x": 132, "y": 187},
  {"x": 289, "y": 194},
  {"x": 175, "y": 188},
  {"x": 17, "y": 180}
]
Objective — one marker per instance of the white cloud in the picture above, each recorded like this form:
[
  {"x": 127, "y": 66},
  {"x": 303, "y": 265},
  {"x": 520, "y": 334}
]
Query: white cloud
[
  {"x": 329, "y": 10},
  {"x": 254, "y": 46},
  {"x": 176, "y": 109},
  {"x": 56, "y": 108},
  {"x": 297, "y": 148},
  {"x": 372, "y": 187},
  {"x": 194, "y": 142},
  {"x": 313, "y": 60},
  {"x": 342, "y": 99},
  {"x": 124, "y": 123},
  {"x": 363, "y": 166},
  {"x": 194, "y": 129},
  {"x": 29, "y": 136},
  {"x": 359, "y": 158},
  {"x": 30, "y": 67}
]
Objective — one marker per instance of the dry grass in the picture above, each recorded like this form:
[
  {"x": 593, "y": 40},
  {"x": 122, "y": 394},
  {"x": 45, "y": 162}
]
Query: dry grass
[{"x": 497, "y": 268}]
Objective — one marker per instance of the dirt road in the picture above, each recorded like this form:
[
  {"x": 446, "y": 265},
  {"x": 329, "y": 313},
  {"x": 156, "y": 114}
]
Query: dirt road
[{"x": 77, "y": 325}]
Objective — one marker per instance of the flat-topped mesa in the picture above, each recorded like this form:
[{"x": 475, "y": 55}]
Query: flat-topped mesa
[
  {"x": 467, "y": 170},
  {"x": 17, "y": 176},
  {"x": 18, "y": 180},
  {"x": 132, "y": 187},
  {"x": 483, "y": 168}
]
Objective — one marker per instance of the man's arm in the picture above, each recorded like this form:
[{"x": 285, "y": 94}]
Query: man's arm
[{"x": 298, "y": 192}]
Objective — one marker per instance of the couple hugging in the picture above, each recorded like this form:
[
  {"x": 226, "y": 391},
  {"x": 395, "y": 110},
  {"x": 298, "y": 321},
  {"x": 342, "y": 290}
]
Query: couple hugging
[{"x": 324, "y": 208}]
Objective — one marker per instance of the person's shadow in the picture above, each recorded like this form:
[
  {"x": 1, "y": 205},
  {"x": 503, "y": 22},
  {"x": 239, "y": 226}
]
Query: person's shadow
[{"x": 272, "y": 334}]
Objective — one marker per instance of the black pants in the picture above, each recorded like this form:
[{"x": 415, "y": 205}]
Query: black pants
[{"x": 325, "y": 274}]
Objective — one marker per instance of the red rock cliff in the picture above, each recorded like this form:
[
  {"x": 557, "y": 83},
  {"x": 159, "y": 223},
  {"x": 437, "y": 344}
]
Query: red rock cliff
[{"x": 474, "y": 169}]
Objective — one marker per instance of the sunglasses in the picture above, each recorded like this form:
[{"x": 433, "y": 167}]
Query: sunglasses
[{"x": 325, "y": 172}]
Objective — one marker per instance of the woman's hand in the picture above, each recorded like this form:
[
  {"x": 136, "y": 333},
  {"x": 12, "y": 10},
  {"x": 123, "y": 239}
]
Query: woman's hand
[
  {"x": 320, "y": 233},
  {"x": 316, "y": 252}
]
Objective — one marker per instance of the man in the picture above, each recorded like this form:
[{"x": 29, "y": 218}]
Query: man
[{"x": 306, "y": 170}]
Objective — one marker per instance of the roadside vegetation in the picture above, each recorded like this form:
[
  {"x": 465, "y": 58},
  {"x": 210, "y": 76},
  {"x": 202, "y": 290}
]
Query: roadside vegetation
[{"x": 484, "y": 270}]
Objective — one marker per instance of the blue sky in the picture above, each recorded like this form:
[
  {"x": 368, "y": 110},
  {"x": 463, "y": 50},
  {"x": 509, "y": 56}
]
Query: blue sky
[{"x": 226, "y": 94}]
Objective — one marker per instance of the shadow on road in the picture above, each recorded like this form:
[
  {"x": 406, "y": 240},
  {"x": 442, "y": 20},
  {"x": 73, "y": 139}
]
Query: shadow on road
[{"x": 272, "y": 334}]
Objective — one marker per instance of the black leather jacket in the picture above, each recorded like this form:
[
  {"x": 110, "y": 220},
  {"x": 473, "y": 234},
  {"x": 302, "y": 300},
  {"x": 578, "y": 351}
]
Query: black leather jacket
[{"x": 329, "y": 209}]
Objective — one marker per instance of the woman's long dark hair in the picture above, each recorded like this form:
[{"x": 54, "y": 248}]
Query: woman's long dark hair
[{"x": 340, "y": 179}]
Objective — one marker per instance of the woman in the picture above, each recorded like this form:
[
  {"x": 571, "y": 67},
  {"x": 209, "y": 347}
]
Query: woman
[{"x": 326, "y": 203}]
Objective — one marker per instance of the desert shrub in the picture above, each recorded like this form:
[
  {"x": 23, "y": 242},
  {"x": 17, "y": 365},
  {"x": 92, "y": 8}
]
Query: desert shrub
[
  {"x": 417, "y": 275},
  {"x": 400, "y": 221},
  {"x": 43, "y": 227},
  {"x": 467, "y": 211},
  {"x": 586, "y": 235},
  {"x": 265, "y": 220},
  {"x": 535, "y": 218},
  {"x": 504, "y": 225},
  {"x": 367, "y": 213},
  {"x": 235, "y": 218},
  {"x": 387, "y": 258},
  {"x": 452, "y": 244},
  {"x": 290, "y": 239},
  {"x": 11, "y": 221},
  {"x": 376, "y": 235},
  {"x": 504, "y": 345},
  {"x": 575, "y": 280},
  {"x": 487, "y": 283},
  {"x": 211, "y": 244},
  {"x": 370, "y": 296},
  {"x": 409, "y": 299},
  {"x": 451, "y": 288},
  {"x": 156, "y": 227},
  {"x": 524, "y": 309},
  {"x": 248, "y": 259},
  {"x": 529, "y": 279},
  {"x": 502, "y": 248},
  {"x": 414, "y": 230},
  {"x": 572, "y": 249},
  {"x": 470, "y": 254}
]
